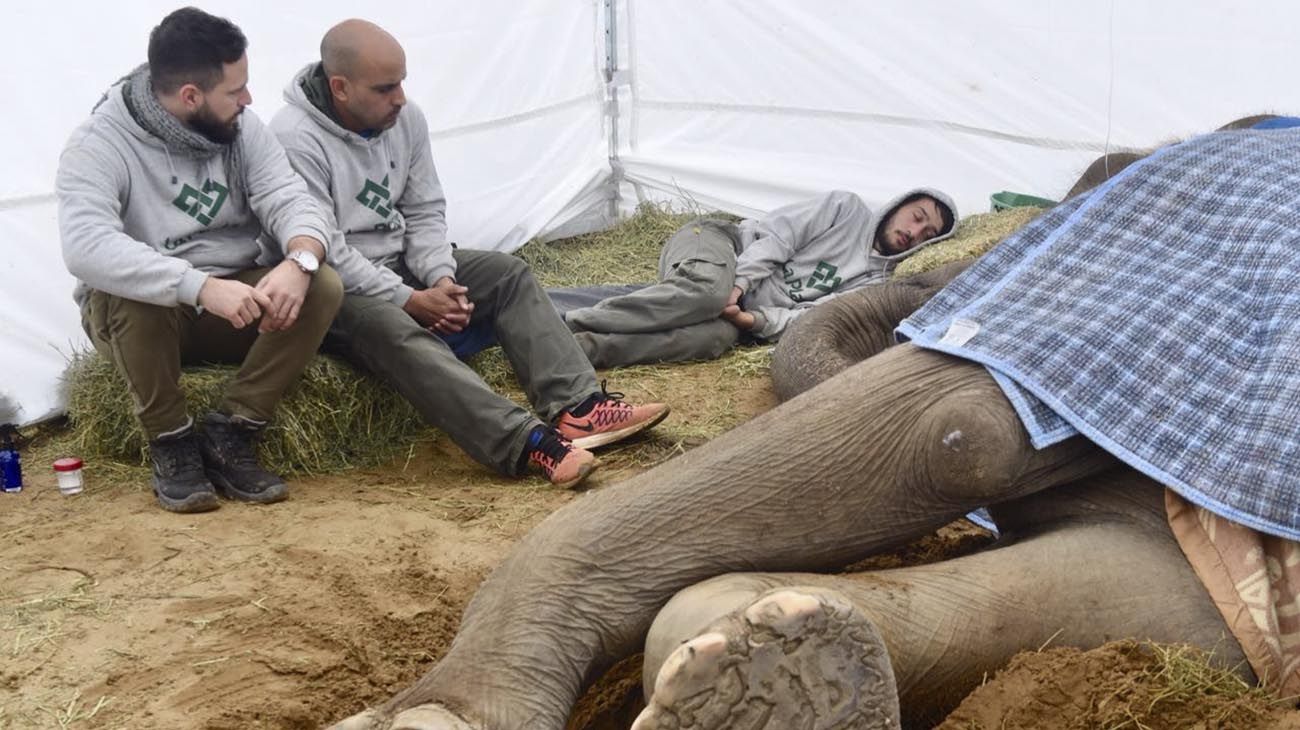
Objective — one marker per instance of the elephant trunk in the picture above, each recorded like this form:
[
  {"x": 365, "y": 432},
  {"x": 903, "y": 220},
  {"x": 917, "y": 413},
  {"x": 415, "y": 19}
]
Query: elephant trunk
[{"x": 850, "y": 329}]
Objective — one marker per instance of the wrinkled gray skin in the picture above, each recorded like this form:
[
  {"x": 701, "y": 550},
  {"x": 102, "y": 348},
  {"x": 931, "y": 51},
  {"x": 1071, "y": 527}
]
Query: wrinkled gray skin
[
  {"x": 884, "y": 452},
  {"x": 876, "y": 446}
]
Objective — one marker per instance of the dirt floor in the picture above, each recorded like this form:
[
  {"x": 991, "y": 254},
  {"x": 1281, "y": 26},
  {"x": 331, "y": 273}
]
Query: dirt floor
[
  {"x": 1123, "y": 684},
  {"x": 115, "y": 614}
]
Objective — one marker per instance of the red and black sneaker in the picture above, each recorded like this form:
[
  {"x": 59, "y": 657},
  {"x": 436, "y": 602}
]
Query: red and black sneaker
[
  {"x": 605, "y": 418},
  {"x": 564, "y": 464}
]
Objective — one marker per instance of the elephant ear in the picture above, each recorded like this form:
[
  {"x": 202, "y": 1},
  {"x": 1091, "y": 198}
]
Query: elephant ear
[{"x": 850, "y": 328}]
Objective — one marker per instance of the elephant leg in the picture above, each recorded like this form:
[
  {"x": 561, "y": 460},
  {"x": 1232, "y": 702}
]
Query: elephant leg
[
  {"x": 1081, "y": 565},
  {"x": 850, "y": 328},
  {"x": 887, "y": 451},
  {"x": 802, "y": 657}
]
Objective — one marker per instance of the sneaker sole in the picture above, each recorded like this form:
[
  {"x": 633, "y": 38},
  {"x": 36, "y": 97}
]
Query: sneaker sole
[
  {"x": 608, "y": 437},
  {"x": 584, "y": 471},
  {"x": 228, "y": 490},
  {"x": 197, "y": 502}
]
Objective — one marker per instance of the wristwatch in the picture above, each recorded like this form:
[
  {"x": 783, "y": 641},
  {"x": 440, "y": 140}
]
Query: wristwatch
[{"x": 305, "y": 259}]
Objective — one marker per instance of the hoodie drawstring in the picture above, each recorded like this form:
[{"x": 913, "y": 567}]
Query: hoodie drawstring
[{"x": 170, "y": 165}]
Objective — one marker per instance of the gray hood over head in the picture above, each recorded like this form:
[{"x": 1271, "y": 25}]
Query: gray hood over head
[
  {"x": 893, "y": 204},
  {"x": 383, "y": 190},
  {"x": 805, "y": 253}
]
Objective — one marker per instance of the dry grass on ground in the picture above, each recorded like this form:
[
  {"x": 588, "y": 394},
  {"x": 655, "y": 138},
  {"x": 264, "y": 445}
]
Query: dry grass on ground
[{"x": 975, "y": 236}]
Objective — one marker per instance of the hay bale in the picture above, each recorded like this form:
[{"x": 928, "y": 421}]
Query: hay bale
[
  {"x": 333, "y": 419},
  {"x": 976, "y": 235}
]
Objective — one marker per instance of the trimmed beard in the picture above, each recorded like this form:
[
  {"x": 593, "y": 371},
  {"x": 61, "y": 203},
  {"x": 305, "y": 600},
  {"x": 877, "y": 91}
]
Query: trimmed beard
[
  {"x": 883, "y": 244},
  {"x": 207, "y": 124}
]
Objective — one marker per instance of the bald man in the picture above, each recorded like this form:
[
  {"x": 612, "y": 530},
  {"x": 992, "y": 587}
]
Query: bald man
[{"x": 364, "y": 150}]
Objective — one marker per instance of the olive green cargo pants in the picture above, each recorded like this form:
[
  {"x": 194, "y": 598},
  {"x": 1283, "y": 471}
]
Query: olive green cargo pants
[
  {"x": 149, "y": 343},
  {"x": 381, "y": 337},
  {"x": 675, "y": 320}
]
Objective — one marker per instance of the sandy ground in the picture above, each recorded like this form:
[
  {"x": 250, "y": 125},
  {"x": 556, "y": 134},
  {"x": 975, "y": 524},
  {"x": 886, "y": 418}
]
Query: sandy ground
[
  {"x": 119, "y": 615},
  {"x": 1112, "y": 686},
  {"x": 115, "y": 614}
]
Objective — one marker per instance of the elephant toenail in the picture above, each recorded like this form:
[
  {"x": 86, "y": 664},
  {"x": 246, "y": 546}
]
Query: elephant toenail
[{"x": 782, "y": 612}]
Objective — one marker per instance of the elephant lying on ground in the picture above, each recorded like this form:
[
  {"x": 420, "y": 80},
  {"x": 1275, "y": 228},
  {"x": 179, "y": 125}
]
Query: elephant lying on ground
[
  {"x": 693, "y": 560},
  {"x": 884, "y": 452}
]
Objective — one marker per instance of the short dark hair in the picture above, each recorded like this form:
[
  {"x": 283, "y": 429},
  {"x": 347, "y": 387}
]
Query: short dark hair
[
  {"x": 190, "y": 46},
  {"x": 945, "y": 212}
]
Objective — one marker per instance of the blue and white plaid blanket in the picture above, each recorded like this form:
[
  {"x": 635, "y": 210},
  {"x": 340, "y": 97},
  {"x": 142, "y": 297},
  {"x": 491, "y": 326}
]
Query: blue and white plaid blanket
[{"x": 1159, "y": 316}]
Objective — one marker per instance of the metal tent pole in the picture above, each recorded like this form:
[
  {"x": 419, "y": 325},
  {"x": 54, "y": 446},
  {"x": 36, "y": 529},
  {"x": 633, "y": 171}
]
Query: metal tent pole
[{"x": 612, "y": 80}]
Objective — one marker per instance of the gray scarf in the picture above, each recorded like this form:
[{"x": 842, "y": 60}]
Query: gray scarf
[{"x": 149, "y": 113}]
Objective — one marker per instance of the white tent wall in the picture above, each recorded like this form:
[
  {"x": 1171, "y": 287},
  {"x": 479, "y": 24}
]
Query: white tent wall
[
  {"x": 735, "y": 104},
  {"x": 513, "y": 92},
  {"x": 745, "y": 105}
]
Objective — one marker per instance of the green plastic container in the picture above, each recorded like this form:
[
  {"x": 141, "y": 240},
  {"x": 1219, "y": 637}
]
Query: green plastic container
[{"x": 1007, "y": 199}]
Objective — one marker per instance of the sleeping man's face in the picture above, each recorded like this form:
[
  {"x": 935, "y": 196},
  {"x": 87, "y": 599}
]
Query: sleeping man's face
[{"x": 910, "y": 225}]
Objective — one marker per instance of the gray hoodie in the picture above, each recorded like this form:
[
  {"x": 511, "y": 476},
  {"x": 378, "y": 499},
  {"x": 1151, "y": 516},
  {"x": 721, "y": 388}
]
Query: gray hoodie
[
  {"x": 803, "y": 254},
  {"x": 383, "y": 191},
  {"x": 144, "y": 224}
]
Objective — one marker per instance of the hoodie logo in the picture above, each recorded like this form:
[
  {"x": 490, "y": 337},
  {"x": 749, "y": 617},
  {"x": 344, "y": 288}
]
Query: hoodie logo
[
  {"x": 376, "y": 197},
  {"x": 203, "y": 206},
  {"x": 823, "y": 279}
]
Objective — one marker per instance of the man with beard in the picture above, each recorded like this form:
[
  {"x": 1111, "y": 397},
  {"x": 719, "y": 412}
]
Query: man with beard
[
  {"x": 720, "y": 282},
  {"x": 163, "y": 194},
  {"x": 363, "y": 150}
]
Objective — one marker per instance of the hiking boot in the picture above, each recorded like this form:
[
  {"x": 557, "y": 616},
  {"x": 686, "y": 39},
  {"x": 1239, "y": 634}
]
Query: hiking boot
[
  {"x": 227, "y": 447},
  {"x": 178, "y": 479},
  {"x": 564, "y": 464},
  {"x": 605, "y": 417}
]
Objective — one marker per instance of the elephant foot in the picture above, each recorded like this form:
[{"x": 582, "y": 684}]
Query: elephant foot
[
  {"x": 794, "y": 658},
  {"x": 420, "y": 717}
]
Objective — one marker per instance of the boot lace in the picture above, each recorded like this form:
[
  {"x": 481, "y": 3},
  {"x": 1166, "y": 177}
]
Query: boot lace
[
  {"x": 550, "y": 450},
  {"x": 178, "y": 457}
]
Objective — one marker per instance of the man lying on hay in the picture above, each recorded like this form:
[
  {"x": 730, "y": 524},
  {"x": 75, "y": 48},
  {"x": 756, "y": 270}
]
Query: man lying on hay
[
  {"x": 1120, "y": 381},
  {"x": 761, "y": 275}
]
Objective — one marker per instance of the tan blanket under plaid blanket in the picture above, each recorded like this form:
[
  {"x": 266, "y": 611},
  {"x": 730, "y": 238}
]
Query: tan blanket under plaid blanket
[{"x": 1254, "y": 579}]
